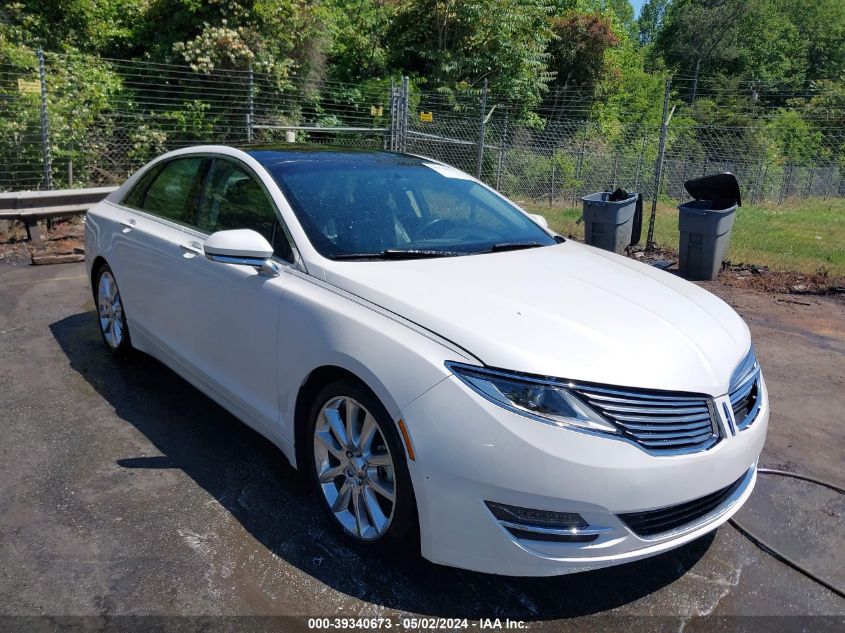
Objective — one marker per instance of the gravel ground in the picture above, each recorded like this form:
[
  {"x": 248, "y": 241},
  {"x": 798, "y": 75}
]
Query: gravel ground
[{"x": 124, "y": 491}]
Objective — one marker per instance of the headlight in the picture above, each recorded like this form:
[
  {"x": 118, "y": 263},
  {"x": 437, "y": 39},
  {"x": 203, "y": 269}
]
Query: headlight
[{"x": 542, "y": 400}]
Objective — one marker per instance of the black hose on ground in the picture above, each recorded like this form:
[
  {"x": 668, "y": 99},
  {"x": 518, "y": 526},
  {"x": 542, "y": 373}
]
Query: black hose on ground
[
  {"x": 759, "y": 542},
  {"x": 812, "y": 480}
]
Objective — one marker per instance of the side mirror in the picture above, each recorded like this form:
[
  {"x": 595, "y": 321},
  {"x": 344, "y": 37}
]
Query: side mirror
[
  {"x": 539, "y": 219},
  {"x": 243, "y": 247}
]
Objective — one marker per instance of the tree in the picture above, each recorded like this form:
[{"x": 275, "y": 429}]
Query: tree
[
  {"x": 822, "y": 25},
  {"x": 650, "y": 21},
  {"x": 453, "y": 41},
  {"x": 95, "y": 26},
  {"x": 272, "y": 35},
  {"x": 696, "y": 32},
  {"x": 357, "y": 42},
  {"x": 577, "y": 59}
]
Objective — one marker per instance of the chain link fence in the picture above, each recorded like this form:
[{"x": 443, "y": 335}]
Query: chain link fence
[{"x": 68, "y": 121}]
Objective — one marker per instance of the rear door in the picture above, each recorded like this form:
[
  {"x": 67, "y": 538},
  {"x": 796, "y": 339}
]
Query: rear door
[{"x": 150, "y": 245}]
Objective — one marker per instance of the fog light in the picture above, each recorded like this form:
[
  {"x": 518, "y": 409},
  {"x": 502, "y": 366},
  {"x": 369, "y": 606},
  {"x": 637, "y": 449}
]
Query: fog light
[
  {"x": 544, "y": 525},
  {"x": 546, "y": 518}
]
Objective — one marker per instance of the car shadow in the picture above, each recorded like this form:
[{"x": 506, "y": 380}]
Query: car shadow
[{"x": 250, "y": 478}]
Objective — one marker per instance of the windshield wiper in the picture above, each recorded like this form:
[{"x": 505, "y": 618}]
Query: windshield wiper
[
  {"x": 511, "y": 246},
  {"x": 395, "y": 253}
]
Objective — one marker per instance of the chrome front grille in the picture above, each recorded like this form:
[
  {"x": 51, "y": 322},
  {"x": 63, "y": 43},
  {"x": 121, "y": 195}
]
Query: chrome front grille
[{"x": 661, "y": 422}]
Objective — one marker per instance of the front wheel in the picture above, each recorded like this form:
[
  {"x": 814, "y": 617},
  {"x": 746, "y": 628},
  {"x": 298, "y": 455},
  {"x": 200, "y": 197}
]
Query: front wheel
[
  {"x": 359, "y": 467},
  {"x": 110, "y": 314}
]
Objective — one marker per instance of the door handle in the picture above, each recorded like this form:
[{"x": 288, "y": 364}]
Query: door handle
[
  {"x": 193, "y": 248},
  {"x": 127, "y": 225}
]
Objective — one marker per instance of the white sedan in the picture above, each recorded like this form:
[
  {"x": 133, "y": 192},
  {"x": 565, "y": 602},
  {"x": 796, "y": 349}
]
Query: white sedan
[{"x": 453, "y": 376}]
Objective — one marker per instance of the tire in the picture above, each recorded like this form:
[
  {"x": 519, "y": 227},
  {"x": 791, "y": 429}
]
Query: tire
[
  {"x": 111, "y": 317},
  {"x": 368, "y": 470}
]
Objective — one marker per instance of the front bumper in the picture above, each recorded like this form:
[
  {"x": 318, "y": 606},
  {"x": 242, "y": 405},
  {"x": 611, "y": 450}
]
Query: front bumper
[{"x": 470, "y": 450}]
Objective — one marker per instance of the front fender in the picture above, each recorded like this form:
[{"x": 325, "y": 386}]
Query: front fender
[{"x": 322, "y": 326}]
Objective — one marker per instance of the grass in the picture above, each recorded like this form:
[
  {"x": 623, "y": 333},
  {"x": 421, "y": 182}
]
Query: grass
[{"x": 805, "y": 236}]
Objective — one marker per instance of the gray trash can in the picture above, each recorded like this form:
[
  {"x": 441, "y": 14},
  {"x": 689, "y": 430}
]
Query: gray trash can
[
  {"x": 608, "y": 223},
  {"x": 705, "y": 224}
]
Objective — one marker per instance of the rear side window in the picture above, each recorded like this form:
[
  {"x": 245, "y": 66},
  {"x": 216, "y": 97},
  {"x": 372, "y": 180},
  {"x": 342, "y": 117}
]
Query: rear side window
[
  {"x": 172, "y": 191},
  {"x": 136, "y": 196}
]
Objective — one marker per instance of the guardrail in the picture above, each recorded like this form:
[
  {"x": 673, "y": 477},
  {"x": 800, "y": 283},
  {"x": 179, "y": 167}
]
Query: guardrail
[{"x": 31, "y": 206}]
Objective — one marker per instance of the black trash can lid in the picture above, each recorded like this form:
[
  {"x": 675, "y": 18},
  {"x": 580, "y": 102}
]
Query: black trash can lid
[{"x": 723, "y": 188}]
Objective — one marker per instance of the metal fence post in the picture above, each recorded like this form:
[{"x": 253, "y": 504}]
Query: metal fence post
[
  {"x": 502, "y": 142},
  {"x": 70, "y": 168},
  {"x": 481, "y": 122},
  {"x": 552, "y": 184},
  {"x": 403, "y": 127},
  {"x": 661, "y": 151},
  {"x": 394, "y": 103},
  {"x": 250, "y": 114},
  {"x": 45, "y": 124}
]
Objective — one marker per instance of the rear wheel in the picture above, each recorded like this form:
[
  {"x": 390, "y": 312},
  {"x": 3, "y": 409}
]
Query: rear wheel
[
  {"x": 359, "y": 468},
  {"x": 110, "y": 313}
]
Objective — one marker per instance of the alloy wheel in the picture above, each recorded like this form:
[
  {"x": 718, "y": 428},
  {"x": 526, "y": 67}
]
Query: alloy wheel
[
  {"x": 354, "y": 468},
  {"x": 110, "y": 310}
]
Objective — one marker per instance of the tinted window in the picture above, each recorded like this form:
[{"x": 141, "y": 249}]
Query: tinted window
[
  {"x": 136, "y": 196},
  {"x": 173, "y": 193},
  {"x": 354, "y": 207},
  {"x": 234, "y": 199}
]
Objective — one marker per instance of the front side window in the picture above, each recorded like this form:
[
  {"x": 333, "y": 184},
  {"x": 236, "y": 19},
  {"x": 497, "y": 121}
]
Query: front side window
[
  {"x": 358, "y": 208},
  {"x": 234, "y": 199},
  {"x": 173, "y": 191}
]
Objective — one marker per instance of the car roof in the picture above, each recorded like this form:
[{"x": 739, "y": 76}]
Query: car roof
[{"x": 288, "y": 153}]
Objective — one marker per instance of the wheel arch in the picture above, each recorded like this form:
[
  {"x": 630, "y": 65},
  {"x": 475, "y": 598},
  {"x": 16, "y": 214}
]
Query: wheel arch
[
  {"x": 311, "y": 386},
  {"x": 96, "y": 265}
]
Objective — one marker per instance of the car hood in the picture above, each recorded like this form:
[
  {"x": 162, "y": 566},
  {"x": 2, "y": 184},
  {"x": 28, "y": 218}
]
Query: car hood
[{"x": 569, "y": 311}]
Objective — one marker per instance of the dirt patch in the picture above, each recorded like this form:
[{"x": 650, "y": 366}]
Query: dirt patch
[
  {"x": 754, "y": 277},
  {"x": 63, "y": 242},
  {"x": 761, "y": 278}
]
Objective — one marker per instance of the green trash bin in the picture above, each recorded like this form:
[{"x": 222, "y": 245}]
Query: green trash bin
[
  {"x": 705, "y": 224},
  {"x": 608, "y": 223}
]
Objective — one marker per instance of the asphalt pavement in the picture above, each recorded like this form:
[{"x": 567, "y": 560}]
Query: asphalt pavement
[{"x": 126, "y": 492}]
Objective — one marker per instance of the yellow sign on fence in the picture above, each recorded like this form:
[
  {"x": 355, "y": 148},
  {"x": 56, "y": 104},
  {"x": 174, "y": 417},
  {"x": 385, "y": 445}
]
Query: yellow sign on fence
[
  {"x": 29, "y": 85},
  {"x": 376, "y": 110},
  {"x": 426, "y": 117}
]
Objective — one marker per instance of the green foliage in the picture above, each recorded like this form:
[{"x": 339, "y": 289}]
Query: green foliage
[
  {"x": 697, "y": 32},
  {"x": 789, "y": 42},
  {"x": 357, "y": 35},
  {"x": 793, "y": 140},
  {"x": 80, "y": 90},
  {"x": 650, "y": 21},
  {"x": 577, "y": 53},
  {"x": 103, "y": 26},
  {"x": 451, "y": 41},
  {"x": 547, "y": 60}
]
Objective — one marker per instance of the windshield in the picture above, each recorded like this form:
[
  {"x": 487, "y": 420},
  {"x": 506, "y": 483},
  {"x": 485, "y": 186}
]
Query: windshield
[{"x": 399, "y": 209}]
